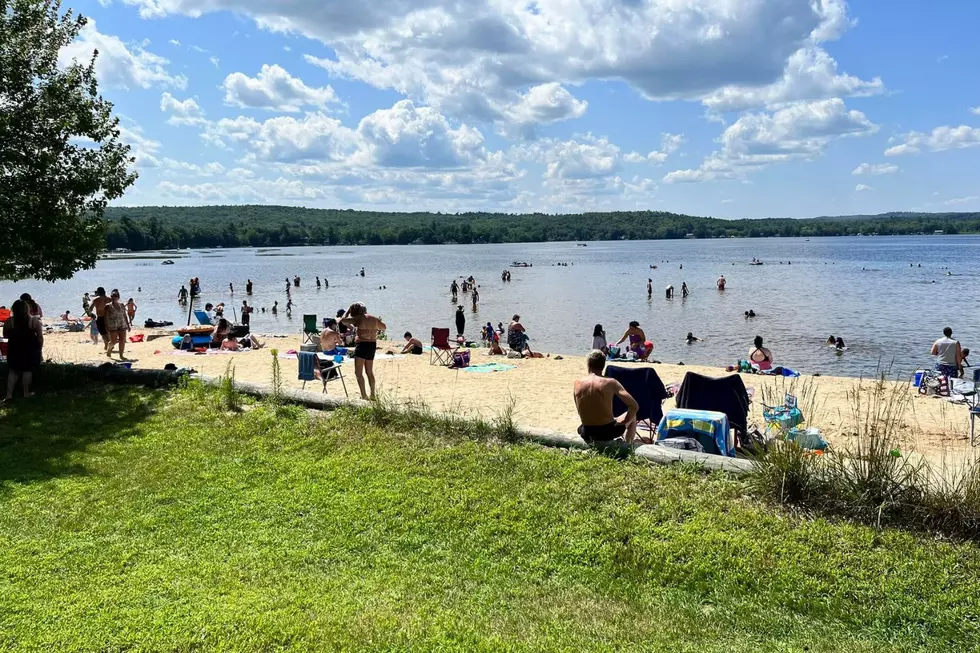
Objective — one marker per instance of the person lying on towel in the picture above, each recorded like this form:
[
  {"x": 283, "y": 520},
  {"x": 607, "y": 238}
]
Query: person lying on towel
[{"x": 594, "y": 402}]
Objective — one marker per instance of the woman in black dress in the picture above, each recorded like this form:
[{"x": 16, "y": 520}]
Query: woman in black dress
[{"x": 25, "y": 337}]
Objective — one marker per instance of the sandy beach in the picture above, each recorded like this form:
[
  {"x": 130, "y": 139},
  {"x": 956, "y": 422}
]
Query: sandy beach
[{"x": 540, "y": 390}]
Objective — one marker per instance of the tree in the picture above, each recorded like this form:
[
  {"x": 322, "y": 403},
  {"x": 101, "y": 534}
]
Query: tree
[{"x": 61, "y": 160}]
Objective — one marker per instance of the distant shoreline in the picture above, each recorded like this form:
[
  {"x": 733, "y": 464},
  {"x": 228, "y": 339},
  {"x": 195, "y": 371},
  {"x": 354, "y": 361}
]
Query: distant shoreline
[{"x": 168, "y": 228}]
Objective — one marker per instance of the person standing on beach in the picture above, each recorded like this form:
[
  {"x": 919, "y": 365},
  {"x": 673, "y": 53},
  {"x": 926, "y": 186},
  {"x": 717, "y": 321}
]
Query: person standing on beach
[
  {"x": 366, "y": 344},
  {"x": 460, "y": 320},
  {"x": 594, "y": 402},
  {"x": 117, "y": 324},
  {"x": 86, "y": 303},
  {"x": 25, "y": 341},
  {"x": 98, "y": 307},
  {"x": 948, "y": 353}
]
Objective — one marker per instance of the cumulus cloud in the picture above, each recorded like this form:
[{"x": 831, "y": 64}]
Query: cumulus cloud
[
  {"x": 407, "y": 136},
  {"x": 940, "y": 139},
  {"x": 546, "y": 103},
  {"x": 119, "y": 65},
  {"x": 183, "y": 112},
  {"x": 876, "y": 169},
  {"x": 142, "y": 148},
  {"x": 810, "y": 74},
  {"x": 206, "y": 170},
  {"x": 798, "y": 132},
  {"x": 975, "y": 111},
  {"x": 477, "y": 58},
  {"x": 669, "y": 143},
  {"x": 316, "y": 136},
  {"x": 862, "y": 188},
  {"x": 275, "y": 89}
]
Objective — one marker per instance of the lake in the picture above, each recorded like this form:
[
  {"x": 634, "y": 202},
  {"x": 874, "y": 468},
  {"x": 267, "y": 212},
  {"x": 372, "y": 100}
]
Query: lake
[{"x": 868, "y": 290}]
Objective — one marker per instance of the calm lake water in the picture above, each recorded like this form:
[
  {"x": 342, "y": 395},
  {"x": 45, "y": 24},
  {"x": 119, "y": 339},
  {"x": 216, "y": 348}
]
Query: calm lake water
[{"x": 862, "y": 289}]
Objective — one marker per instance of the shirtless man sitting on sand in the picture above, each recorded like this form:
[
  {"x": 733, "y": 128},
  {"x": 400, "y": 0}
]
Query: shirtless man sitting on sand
[{"x": 594, "y": 401}]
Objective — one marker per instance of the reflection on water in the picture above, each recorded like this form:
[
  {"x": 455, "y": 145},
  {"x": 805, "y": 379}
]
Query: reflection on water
[{"x": 869, "y": 291}]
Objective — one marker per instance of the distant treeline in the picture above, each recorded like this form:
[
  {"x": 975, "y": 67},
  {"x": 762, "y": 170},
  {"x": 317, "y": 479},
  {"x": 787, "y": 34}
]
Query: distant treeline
[{"x": 145, "y": 228}]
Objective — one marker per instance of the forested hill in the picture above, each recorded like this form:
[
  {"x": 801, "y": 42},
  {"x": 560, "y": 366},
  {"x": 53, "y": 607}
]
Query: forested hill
[{"x": 147, "y": 227}]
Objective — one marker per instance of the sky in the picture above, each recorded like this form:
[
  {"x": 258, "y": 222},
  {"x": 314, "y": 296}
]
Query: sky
[{"x": 727, "y": 108}]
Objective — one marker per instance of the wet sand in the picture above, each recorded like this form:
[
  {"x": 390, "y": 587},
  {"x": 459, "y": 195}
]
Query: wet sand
[{"x": 540, "y": 390}]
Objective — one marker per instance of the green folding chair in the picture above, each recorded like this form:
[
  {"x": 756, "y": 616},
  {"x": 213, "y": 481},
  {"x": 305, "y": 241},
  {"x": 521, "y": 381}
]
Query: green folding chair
[{"x": 311, "y": 334}]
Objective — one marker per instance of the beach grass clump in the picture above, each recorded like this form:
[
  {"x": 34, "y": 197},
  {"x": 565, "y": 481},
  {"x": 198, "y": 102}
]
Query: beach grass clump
[
  {"x": 873, "y": 476},
  {"x": 230, "y": 397}
]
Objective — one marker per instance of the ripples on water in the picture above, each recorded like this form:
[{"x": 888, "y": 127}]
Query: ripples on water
[{"x": 862, "y": 289}]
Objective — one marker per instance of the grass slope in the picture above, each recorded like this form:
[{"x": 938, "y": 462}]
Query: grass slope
[{"x": 156, "y": 521}]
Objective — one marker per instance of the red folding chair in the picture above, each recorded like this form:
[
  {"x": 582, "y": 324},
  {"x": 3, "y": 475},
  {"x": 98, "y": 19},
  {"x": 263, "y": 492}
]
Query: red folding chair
[{"x": 441, "y": 352}]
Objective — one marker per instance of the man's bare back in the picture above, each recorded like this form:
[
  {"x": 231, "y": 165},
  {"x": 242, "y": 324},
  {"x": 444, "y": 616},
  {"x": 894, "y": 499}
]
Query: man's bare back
[{"x": 594, "y": 401}]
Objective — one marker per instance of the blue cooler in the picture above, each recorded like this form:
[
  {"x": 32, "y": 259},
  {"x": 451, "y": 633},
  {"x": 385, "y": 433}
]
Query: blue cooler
[{"x": 708, "y": 427}]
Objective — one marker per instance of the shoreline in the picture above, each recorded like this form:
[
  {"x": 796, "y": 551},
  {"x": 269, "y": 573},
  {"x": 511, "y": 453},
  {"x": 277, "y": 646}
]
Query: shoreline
[{"x": 539, "y": 391}]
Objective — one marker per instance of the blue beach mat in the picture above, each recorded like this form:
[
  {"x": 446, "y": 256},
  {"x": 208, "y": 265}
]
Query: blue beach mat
[{"x": 484, "y": 368}]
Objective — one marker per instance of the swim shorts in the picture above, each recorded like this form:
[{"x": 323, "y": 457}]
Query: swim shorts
[
  {"x": 604, "y": 433},
  {"x": 100, "y": 325},
  {"x": 365, "y": 350}
]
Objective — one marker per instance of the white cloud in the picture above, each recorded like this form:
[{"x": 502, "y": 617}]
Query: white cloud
[
  {"x": 314, "y": 137},
  {"x": 118, "y": 66},
  {"x": 143, "y": 148},
  {"x": 810, "y": 74},
  {"x": 634, "y": 157},
  {"x": 728, "y": 201},
  {"x": 669, "y": 143},
  {"x": 275, "y": 89},
  {"x": 174, "y": 42},
  {"x": 409, "y": 136},
  {"x": 206, "y": 170},
  {"x": 862, "y": 188},
  {"x": 184, "y": 112},
  {"x": 546, "y": 103},
  {"x": 587, "y": 158},
  {"x": 876, "y": 169},
  {"x": 940, "y": 139},
  {"x": 798, "y": 132},
  {"x": 473, "y": 60},
  {"x": 975, "y": 111},
  {"x": 970, "y": 199}
]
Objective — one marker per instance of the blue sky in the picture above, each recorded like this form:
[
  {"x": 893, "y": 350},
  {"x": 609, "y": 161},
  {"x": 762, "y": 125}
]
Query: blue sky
[{"x": 731, "y": 108}]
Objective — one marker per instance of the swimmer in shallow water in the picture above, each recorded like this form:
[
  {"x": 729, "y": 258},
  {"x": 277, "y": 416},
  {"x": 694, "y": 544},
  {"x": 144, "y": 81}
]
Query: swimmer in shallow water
[{"x": 691, "y": 338}]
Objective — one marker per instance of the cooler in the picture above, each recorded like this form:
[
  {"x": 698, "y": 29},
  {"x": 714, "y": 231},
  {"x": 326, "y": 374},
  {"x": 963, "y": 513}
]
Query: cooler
[{"x": 708, "y": 427}]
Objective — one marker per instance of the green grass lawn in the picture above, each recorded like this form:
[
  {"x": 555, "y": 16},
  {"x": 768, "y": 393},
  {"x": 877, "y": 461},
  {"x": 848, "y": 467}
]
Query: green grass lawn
[{"x": 133, "y": 519}]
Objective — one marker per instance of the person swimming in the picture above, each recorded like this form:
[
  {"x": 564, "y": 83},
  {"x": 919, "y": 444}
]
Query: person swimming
[
  {"x": 839, "y": 344},
  {"x": 691, "y": 338}
]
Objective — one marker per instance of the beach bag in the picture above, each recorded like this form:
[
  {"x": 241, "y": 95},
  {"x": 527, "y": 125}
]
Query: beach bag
[
  {"x": 461, "y": 359},
  {"x": 614, "y": 352}
]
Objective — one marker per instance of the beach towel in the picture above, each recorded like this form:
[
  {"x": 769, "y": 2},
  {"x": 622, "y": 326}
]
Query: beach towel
[
  {"x": 645, "y": 386},
  {"x": 484, "y": 368},
  {"x": 307, "y": 365},
  {"x": 139, "y": 337}
]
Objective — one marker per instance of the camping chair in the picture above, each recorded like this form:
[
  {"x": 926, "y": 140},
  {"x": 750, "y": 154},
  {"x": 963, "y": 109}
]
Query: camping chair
[
  {"x": 441, "y": 352},
  {"x": 724, "y": 395},
  {"x": 330, "y": 369},
  {"x": 645, "y": 386},
  {"x": 202, "y": 318},
  {"x": 311, "y": 334},
  {"x": 780, "y": 419},
  {"x": 974, "y": 405}
]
